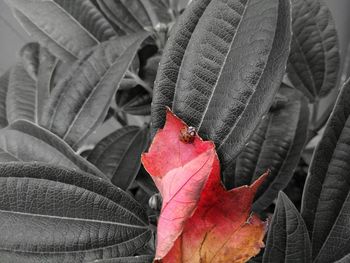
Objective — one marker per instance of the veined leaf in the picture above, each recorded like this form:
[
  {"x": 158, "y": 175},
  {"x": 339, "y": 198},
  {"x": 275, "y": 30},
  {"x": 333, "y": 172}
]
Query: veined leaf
[
  {"x": 50, "y": 214},
  {"x": 30, "y": 84},
  {"x": 79, "y": 103},
  {"x": 314, "y": 60},
  {"x": 325, "y": 202},
  {"x": 136, "y": 15},
  {"x": 4, "y": 82},
  {"x": 276, "y": 146},
  {"x": 21, "y": 95},
  {"x": 288, "y": 240},
  {"x": 119, "y": 154},
  {"x": 65, "y": 27},
  {"x": 23, "y": 141},
  {"x": 221, "y": 68}
]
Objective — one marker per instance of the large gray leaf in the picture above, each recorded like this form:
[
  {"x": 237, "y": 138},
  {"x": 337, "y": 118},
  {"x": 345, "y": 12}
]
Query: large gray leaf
[
  {"x": 4, "y": 82},
  {"x": 288, "y": 240},
  {"x": 65, "y": 27},
  {"x": 136, "y": 15},
  {"x": 79, "y": 103},
  {"x": 314, "y": 59},
  {"x": 30, "y": 83},
  {"x": 276, "y": 145},
  {"x": 119, "y": 154},
  {"x": 53, "y": 215},
  {"x": 325, "y": 199},
  {"x": 25, "y": 142},
  {"x": 222, "y": 67}
]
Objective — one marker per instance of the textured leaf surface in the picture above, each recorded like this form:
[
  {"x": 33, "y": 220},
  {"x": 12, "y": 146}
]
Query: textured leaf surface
[
  {"x": 227, "y": 64},
  {"x": 276, "y": 145},
  {"x": 50, "y": 214},
  {"x": 325, "y": 203},
  {"x": 80, "y": 102},
  {"x": 288, "y": 240},
  {"x": 136, "y": 15},
  {"x": 314, "y": 60},
  {"x": 119, "y": 154},
  {"x": 198, "y": 220},
  {"x": 4, "y": 82},
  {"x": 23, "y": 141},
  {"x": 30, "y": 84},
  {"x": 65, "y": 27},
  {"x": 21, "y": 95}
]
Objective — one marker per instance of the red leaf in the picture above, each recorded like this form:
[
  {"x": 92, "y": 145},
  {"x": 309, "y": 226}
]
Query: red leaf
[{"x": 200, "y": 221}]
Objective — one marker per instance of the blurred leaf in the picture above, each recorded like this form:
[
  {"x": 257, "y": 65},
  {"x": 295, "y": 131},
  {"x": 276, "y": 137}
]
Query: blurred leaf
[
  {"x": 221, "y": 68},
  {"x": 23, "y": 141},
  {"x": 29, "y": 54},
  {"x": 314, "y": 59},
  {"x": 288, "y": 239},
  {"x": 276, "y": 145},
  {"x": 4, "y": 82},
  {"x": 139, "y": 105},
  {"x": 50, "y": 214},
  {"x": 66, "y": 28},
  {"x": 119, "y": 154},
  {"x": 80, "y": 102},
  {"x": 326, "y": 204}
]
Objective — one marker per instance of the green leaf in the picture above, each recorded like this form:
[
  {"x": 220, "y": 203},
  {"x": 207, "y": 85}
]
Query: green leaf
[
  {"x": 276, "y": 145},
  {"x": 80, "y": 102},
  {"x": 50, "y": 214},
  {"x": 135, "y": 101},
  {"x": 314, "y": 60},
  {"x": 66, "y": 28},
  {"x": 288, "y": 240},
  {"x": 119, "y": 154},
  {"x": 345, "y": 259},
  {"x": 23, "y": 141},
  {"x": 30, "y": 84},
  {"x": 136, "y": 15},
  {"x": 221, "y": 68},
  {"x": 325, "y": 203},
  {"x": 4, "y": 82}
]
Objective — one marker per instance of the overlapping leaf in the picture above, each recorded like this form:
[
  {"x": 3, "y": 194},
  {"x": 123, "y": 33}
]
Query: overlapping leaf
[
  {"x": 29, "y": 84},
  {"x": 199, "y": 221},
  {"x": 50, "y": 214},
  {"x": 65, "y": 27},
  {"x": 288, "y": 240},
  {"x": 314, "y": 60},
  {"x": 4, "y": 82},
  {"x": 23, "y": 141},
  {"x": 119, "y": 154},
  {"x": 79, "y": 103},
  {"x": 325, "y": 206},
  {"x": 222, "y": 67},
  {"x": 275, "y": 145},
  {"x": 136, "y": 15}
]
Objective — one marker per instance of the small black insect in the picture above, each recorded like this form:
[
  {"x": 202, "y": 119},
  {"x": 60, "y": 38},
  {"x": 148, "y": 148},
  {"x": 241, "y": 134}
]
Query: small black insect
[{"x": 187, "y": 134}]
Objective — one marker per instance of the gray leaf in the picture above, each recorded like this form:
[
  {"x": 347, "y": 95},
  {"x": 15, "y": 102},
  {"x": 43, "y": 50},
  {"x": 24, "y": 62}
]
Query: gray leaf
[{"x": 53, "y": 215}]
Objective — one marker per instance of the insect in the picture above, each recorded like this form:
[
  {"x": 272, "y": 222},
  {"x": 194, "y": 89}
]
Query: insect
[{"x": 187, "y": 134}]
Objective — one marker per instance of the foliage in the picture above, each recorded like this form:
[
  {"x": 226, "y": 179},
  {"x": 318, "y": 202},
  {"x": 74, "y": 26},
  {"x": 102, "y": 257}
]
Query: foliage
[{"x": 85, "y": 99}]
